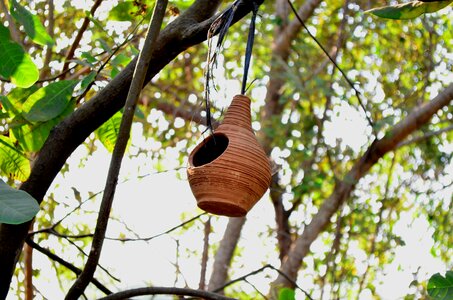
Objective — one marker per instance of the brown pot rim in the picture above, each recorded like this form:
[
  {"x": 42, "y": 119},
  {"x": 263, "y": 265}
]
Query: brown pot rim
[{"x": 201, "y": 144}]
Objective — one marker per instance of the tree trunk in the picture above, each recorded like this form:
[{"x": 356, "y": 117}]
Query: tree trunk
[
  {"x": 224, "y": 255},
  {"x": 300, "y": 248}
]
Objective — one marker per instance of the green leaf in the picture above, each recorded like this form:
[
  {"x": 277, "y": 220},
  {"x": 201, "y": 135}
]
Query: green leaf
[
  {"x": 16, "y": 64},
  {"x": 87, "y": 80},
  {"x": 89, "y": 58},
  {"x": 31, "y": 137},
  {"x": 49, "y": 102},
  {"x": 441, "y": 288},
  {"x": 16, "y": 206},
  {"x": 129, "y": 10},
  {"x": 32, "y": 25},
  {"x": 108, "y": 132},
  {"x": 12, "y": 162},
  {"x": 14, "y": 100},
  {"x": 120, "y": 60},
  {"x": 4, "y": 33},
  {"x": 408, "y": 10},
  {"x": 286, "y": 294}
]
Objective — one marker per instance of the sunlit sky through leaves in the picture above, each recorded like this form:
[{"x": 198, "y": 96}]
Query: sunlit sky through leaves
[{"x": 151, "y": 201}]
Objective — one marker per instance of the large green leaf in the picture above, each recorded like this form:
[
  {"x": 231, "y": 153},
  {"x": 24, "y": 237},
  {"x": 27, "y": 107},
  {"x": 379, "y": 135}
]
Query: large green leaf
[
  {"x": 12, "y": 162},
  {"x": 48, "y": 102},
  {"x": 32, "y": 25},
  {"x": 409, "y": 10},
  {"x": 441, "y": 288},
  {"x": 31, "y": 137},
  {"x": 15, "y": 63},
  {"x": 13, "y": 102},
  {"x": 16, "y": 206},
  {"x": 108, "y": 132}
]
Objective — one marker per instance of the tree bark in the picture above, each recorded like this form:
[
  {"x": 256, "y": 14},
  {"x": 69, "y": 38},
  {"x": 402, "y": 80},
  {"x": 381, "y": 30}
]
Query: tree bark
[
  {"x": 300, "y": 248},
  {"x": 224, "y": 255},
  {"x": 187, "y": 30}
]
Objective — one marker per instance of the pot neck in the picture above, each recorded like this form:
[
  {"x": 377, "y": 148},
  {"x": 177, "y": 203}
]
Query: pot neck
[{"x": 238, "y": 113}]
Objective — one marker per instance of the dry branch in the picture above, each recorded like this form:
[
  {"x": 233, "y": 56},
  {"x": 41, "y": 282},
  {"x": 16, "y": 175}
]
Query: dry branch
[{"x": 417, "y": 118}]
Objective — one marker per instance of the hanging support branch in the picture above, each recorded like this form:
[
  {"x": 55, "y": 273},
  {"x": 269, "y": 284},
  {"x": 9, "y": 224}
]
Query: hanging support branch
[
  {"x": 138, "y": 79},
  {"x": 220, "y": 26}
]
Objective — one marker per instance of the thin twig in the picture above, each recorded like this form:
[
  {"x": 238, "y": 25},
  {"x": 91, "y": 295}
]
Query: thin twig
[
  {"x": 424, "y": 137},
  {"x": 351, "y": 84},
  {"x": 123, "y": 136},
  {"x": 66, "y": 264},
  {"x": 83, "y": 28},
  {"x": 268, "y": 266},
  {"x": 15, "y": 35},
  {"x": 160, "y": 234},
  {"x": 85, "y": 254},
  {"x": 205, "y": 255},
  {"x": 50, "y": 30},
  {"x": 125, "y": 42}
]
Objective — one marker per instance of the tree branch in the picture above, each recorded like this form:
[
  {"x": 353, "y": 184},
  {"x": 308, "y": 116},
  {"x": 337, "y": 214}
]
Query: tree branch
[
  {"x": 425, "y": 137},
  {"x": 66, "y": 264},
  {"x": 225, "y": 252},
  {"x": 189, "y": 29},
  {"x": 165, "y": 291},
  {"x": 15, "y": 35},
  {"x": 83, "y": 28},
  {"x": 205, "y": 255},
  {"x": 50, "y": 30},
  {"x": 138, "y": 79},
  {"x": 417, "y": 118}
]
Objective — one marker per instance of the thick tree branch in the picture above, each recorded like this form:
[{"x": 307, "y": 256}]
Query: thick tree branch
[
  {"x": 187, "y": 30},
  {"x": 138, "y": 79},
  {"x": 417, "y": 118},
  {"x": 165, "y": 291}
]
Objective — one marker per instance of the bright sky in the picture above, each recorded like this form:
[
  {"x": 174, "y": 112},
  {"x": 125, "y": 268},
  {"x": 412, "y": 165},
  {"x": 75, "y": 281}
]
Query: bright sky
[{"x": 155, "y": 203}]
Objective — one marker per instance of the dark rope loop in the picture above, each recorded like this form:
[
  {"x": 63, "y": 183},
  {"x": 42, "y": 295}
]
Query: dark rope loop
[
  {"x": 248, "y": 50},
  {"x": 220, "y": 26}
]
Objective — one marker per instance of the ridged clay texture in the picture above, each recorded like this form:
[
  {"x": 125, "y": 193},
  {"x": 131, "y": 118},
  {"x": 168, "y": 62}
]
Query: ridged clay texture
[{"x": 231, "y": 182}]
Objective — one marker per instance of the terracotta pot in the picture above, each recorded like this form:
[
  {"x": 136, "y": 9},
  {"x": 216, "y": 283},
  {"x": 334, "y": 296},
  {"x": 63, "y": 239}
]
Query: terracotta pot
[{"x": 229, "y": 172}]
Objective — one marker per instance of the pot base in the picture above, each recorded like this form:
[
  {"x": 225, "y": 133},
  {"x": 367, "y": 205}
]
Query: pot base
[{"x": 219, "y": 207}]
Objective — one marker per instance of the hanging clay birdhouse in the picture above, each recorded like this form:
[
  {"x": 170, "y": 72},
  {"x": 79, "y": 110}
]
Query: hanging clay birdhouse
[{"x": 228, "y": 171}]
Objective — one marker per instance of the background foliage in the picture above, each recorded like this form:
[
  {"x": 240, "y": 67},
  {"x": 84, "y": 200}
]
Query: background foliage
[{"x": 314, "y": 135}]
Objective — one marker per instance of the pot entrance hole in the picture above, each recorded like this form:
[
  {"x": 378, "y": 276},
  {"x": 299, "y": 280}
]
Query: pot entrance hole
[{"x": 211, "y": 149}]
